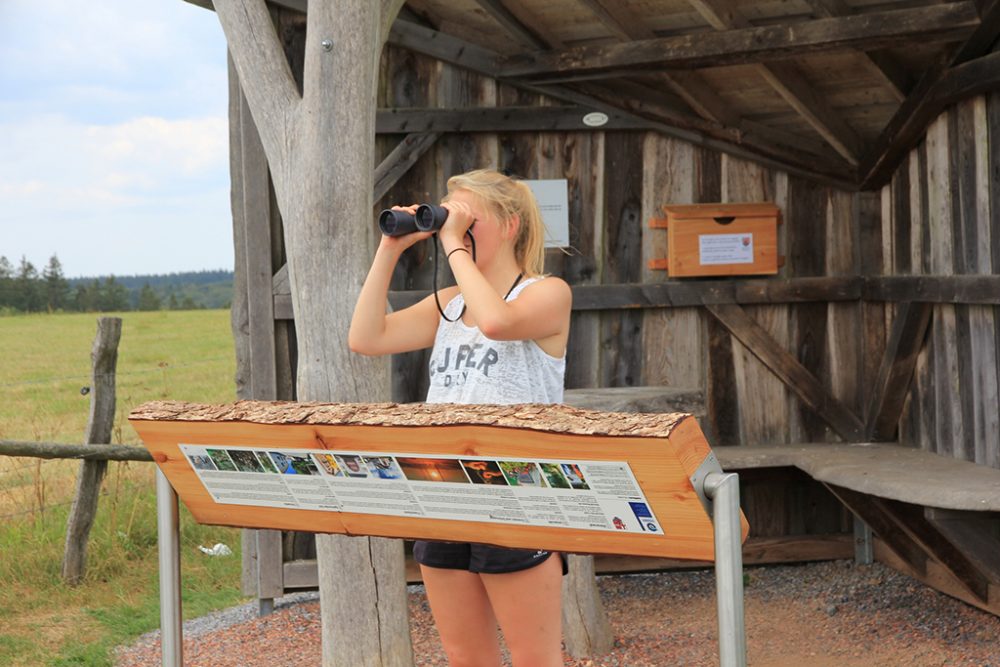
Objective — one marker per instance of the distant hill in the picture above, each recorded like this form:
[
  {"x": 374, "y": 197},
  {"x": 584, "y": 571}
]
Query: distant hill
[{"x": 191, "y": 289}]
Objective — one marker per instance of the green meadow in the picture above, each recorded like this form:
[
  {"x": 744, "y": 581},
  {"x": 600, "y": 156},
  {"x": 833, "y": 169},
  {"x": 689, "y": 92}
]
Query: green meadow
[{"x": 175, "y": 355}]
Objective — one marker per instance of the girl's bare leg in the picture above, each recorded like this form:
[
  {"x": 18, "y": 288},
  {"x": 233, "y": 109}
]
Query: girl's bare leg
[
  {"x": 463, "y": 617},
  {"x": 528, "y": 604}
]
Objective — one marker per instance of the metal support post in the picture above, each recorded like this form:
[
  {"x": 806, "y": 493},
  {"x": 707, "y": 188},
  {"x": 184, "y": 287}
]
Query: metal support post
[
  {"x": 168, "y": 536},
  {"x": 724, "y": 491},
  {"x": 863, "y": 549}
]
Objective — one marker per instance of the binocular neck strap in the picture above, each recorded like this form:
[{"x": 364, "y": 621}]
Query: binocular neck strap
[
  {"x": 438, "y": 301},
  {"x": 472, "y": 239}
]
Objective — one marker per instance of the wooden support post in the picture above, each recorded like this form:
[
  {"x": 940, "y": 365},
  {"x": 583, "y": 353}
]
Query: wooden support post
[
  {"x": 104, "y": 356},
  {"x": 976, "y": 535},
  {"x": 788, "y": 368},
  {"x": 912, "y": 520},
  {"x": 905, "y": 342},
  {"x": 586, "y": 630},
  {"x": 319, "y": 144},
  {"x": 885, "y": 526}
]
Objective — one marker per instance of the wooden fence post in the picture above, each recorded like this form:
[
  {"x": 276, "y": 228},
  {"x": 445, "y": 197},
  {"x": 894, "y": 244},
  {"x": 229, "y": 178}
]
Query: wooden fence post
[{"x": 104, "y": 357}]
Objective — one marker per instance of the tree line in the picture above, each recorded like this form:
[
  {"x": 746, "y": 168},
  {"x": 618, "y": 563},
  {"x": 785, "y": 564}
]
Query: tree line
[{"x": 25, "y": 289}]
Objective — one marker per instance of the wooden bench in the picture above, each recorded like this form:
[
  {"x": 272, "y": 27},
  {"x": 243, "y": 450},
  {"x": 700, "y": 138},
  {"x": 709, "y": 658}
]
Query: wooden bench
[
  {"x": 937, "y": 519},
  {"x": 904, "y": 474},
  {"x": 639, "y": 399}
]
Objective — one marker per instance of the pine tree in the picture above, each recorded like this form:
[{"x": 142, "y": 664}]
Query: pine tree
[
  {"x": 114, "y": 296},
  {"x": 56, "y": 286},
  {"x": 6, "y": 283},
  {"x": 148, "y": 299},
  {"x": 88, "y": 297},
  {"x": 27, "y": 292}
]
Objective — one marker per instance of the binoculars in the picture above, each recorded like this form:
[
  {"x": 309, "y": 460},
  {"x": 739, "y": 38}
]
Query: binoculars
[{"x": 429, "y": 218}]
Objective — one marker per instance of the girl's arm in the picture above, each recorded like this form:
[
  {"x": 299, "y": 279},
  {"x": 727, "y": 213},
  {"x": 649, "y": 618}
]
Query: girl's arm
[
  {"x": 373, "y": 331},
  {"x": 541, "y": 311}
]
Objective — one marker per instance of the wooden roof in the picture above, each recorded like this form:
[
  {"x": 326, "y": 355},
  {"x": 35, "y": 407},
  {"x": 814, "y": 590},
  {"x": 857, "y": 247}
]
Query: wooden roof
[
  {"x": 820, "y": 86},
  {"x": 836, "y": 89}
]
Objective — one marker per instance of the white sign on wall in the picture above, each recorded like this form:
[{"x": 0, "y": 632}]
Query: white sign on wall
[
  {"x": 553, "y": 200},
  {"x": 725, "y": 249}
]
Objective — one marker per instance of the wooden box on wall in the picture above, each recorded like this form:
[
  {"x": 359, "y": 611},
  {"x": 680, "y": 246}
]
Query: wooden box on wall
[{"x": 719, "y": 239}]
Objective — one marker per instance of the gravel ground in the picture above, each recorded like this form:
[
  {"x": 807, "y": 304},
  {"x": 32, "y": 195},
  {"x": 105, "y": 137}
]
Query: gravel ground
[{"x": 833, "y": 614}]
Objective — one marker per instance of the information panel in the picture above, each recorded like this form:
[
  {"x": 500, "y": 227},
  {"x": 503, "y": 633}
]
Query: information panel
[
  {"x": 590, "y": 495},
  {"x": 523, "y": 476}
]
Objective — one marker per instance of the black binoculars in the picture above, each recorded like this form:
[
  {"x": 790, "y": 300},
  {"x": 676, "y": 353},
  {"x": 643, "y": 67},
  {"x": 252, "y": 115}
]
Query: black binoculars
[{"x": 429, "y": 218}]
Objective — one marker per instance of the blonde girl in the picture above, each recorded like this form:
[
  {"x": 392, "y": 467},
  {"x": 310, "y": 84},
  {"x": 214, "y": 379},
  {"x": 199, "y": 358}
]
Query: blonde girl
[{"x": 502, "y": 340}]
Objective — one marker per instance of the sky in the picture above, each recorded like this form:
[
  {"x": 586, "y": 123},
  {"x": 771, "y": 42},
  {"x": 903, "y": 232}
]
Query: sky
[{"x": 114, "y": 149}]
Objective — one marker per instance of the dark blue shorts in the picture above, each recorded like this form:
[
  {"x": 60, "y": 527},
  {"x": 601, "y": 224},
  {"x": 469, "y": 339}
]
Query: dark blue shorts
[{"x": 480, "y": 558}]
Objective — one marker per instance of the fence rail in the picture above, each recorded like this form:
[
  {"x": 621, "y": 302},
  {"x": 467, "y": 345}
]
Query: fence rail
[{"x": 55, "y": 450}]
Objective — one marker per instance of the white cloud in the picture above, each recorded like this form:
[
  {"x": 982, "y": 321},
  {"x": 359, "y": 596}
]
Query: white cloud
[
  {"x": 59, "y": 155},
  {"x": 113, "y": 136}
]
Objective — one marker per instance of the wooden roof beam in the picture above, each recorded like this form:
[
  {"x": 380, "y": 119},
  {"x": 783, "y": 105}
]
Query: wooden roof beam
[
  {"x": 800, "y": 95},
  {"x": 892, "y": 73},
  {"x": 497, "y": 119},
  {"x": 741, "y": 43},
  {"x": 619, "y": 19},
  {"x": 775, "y": 145},
  {"x": 964, "y": 73},
  {"x": 456, "y": 51},
  {"x": 691, "y": 87},
  {"x": 723, "y": 15},
  {"x": 516, "y": 20}
]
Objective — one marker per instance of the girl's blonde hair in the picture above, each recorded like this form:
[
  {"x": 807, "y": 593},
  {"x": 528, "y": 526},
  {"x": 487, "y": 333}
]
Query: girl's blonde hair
[{"x": 507, "y": 197}]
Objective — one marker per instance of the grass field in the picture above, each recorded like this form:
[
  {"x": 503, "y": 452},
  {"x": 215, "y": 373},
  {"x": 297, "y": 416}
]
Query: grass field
[{"x": 179, "y": 355}]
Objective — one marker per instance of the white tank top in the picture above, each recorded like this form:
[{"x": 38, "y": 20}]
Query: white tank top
[{"x": 468, "y": 367}]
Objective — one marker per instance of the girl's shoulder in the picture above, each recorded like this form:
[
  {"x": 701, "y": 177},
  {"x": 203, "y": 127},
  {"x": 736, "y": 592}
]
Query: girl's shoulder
[{"x": 551, "y": 289}]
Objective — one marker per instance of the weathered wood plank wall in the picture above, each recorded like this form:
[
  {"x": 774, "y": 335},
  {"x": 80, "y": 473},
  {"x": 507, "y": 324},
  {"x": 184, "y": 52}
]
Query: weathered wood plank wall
[
  {"x": 941, "y": 216},
  {"x": 618, "y": 180}
]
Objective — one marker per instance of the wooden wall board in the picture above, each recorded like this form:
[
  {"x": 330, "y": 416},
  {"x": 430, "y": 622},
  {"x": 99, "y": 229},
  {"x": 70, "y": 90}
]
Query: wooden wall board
[
  {"x": 844, "y": 320},
  {"x": 586, "y": 189},
  {"x": 871, "y": 261},
  {"x": 264, "y": 356},
  {"x": 410, "y": 80},
  {"x": 942, "y": 217},
  {"x": 763, "y": 397},
  {"x": 621, "y": 360},
  {"x": 806, "y": 251},
  {"x": 665, "y": 452},
  {"x": 948, "y": 415},
  {"x": 902, "y": 214},
  {"x": 239, "y": 310},
  {"x": 978, "y": 333},
  {"x": 993, "y": 189},
  {"x": 672, "y": 339}
]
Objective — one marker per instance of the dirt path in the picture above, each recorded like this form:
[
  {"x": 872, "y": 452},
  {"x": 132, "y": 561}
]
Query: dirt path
[{"x": 818, "y": 615}]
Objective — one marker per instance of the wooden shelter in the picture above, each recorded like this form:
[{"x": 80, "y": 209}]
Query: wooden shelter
[{"x": 874, "y": 126}]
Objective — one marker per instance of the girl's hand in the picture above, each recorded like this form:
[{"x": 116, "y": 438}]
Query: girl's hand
[
  {"x": 398, "y": 244},
  {"x": 460, "y": 220}
]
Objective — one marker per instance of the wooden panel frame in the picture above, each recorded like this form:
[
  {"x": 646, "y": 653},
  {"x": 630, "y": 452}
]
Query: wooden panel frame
[{"x": 663, "y": 466}]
